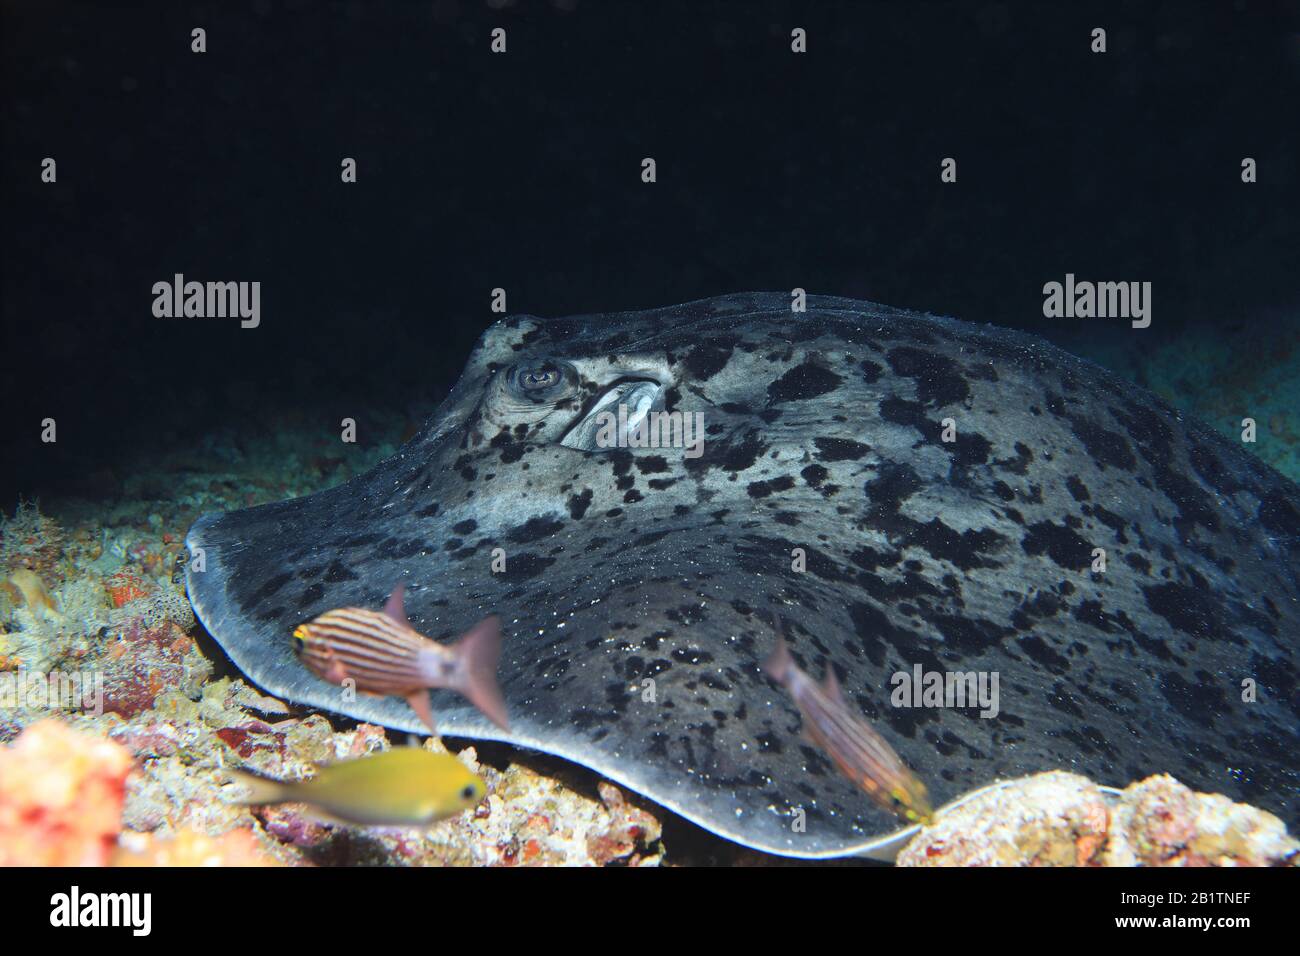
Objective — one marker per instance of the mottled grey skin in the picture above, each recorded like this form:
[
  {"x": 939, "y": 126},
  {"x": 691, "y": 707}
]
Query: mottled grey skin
[{"x": 823, "y": 433}]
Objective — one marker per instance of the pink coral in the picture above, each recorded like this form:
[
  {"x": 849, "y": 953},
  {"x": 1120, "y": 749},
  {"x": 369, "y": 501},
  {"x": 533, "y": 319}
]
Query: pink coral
[
  {"x": 188, "y": 847},
  {"x": 61, "y": 796}
]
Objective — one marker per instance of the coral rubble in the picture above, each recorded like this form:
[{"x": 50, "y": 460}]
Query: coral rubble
[{"x": 1063, "y": 819}]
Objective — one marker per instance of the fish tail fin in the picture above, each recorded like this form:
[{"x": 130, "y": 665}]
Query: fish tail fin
[
  {"x": 262, "y": 790},
  {"x": 779, "y": 663},
  {"x": 478, "y": 653}
]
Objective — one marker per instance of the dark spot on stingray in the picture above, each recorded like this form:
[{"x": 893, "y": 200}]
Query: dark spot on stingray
[
  {"x": 428, "y": 511},
  {"x": 633, "y": 496},
  {"x": 840, "y": 449},
  {"x": 706, "y": 359},
  {"x": 465, "y": 468},
  {"x": 1149, "y": 432},
  {"x": 650, "y": 464},
  {"x": 939, "y": 380},
  {"x": 1194, "y": 505},
  {"x": 1078, "y": 490},
  {"x": 966, "y": 549},
  {"x": 1201, "y": 701},
  {"x": 311, "y": 595},
  {"x": 906, "y": 721},
  {"x": 871, "y": 370},
  {"x": 1061, "y": 699},
  {"x": 732, "y": 453},
  {"x": 761, "y": 489},
  {"x": 968, "y": 448},
  {"x": 1044, "y": 604},
  {"x": 1279, "y": 514},
  {"x": 534, "y": 529},
  {"x": 1020, "y": 464},
  {"x": 870, "y": 559},
  {"x": 402, "y": 550},
  {"x": 1211, "y": 469},
  {"x": 803, "y": 382},
  {"x": 1092, "y": 614},
  {"x": 1003, "y": 491},
  {"x": 899, "y": 411},
  {"x": 1190, "y": 610},
  {"x": 1110, "y": 520},
  {"x": 874, "y": 628},
  {"x": 969, "y": 635},
  {"x": 585, "y": 718},
  {"x": 1041, "y": 652},
  {"x": 526, "y": 565},
  {"x": 338, "y": 572},
  {"x": 814, "y": 475},
  {"x": 269, "y": 587},
  {"x": 1138, "y": 562},
  {"x": 692, "y": 655},
  {"x": 1106, "y": 448},
  {"x": 465, "y": 527},
  {"x": 893, "y": 485},
  {"x": 820, "y": 565},
  {"x": 1090, "y": 740},
  {"x": 1060, "y": 543},
  {"x": 578, "y": 504}
]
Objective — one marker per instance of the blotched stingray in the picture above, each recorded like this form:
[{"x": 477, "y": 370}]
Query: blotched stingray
[{"x": 642, "y": 587}]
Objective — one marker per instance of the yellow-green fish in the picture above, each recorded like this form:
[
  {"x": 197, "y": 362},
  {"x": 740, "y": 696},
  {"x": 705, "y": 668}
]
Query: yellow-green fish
[
  {"x": 403, "y": 787},
  {"x": 861, "y": 754}
]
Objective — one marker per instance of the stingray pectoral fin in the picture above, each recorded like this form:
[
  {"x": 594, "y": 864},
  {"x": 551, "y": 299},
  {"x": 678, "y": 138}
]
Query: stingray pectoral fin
[
  {"x": 419, "y": 701},
  {"x": 478, "y": 653}
]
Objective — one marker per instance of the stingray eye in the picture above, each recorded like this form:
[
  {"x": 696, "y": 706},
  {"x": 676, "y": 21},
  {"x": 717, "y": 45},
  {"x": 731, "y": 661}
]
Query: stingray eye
[
  {"x": 540, "y": 381},
  {"x": 541, "y": 377}
]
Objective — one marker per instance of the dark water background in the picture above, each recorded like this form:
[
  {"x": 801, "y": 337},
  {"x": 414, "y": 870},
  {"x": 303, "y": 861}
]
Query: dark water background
[{"x": 523, "y": 171}]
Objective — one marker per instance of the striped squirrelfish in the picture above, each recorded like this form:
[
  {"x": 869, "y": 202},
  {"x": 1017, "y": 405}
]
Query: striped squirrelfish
[
  {"x": 403, "y": 787},
  {"x": 384, "y": 655},
  {"x": 861, "y": 754}
]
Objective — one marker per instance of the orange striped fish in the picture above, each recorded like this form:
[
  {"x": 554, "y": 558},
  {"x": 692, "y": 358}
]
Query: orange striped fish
[
  {"x": 861, "y": 754},
  {"x": 384, "y": 655}
]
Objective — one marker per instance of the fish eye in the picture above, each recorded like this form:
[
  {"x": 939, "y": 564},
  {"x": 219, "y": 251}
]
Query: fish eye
[
  {"x": 542, "y": 380},
  {"x": 469, "y": 793}
]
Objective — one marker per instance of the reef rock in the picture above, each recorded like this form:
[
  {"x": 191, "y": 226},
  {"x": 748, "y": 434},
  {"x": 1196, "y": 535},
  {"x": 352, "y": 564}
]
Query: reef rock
[{"x": 1063, "y": 819}]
